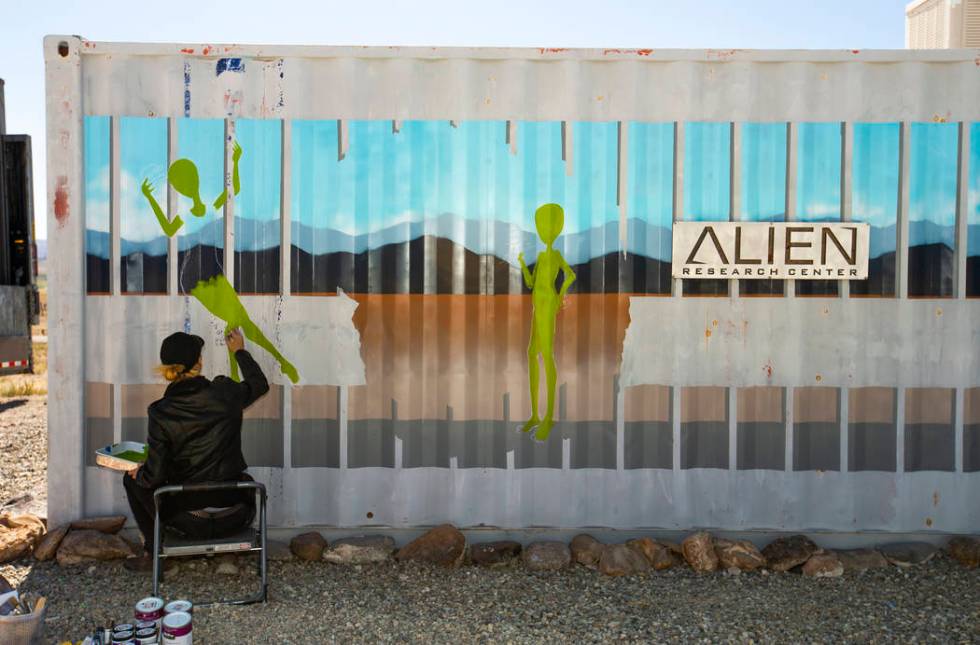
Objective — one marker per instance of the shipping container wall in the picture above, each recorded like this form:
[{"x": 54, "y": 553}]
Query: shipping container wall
[{"x": 455, "y": 268}]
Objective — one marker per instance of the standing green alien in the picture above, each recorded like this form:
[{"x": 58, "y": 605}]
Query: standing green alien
[{"x": 549, "y": 220}]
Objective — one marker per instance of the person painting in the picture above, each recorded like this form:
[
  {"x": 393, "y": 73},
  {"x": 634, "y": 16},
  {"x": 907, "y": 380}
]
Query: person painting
[
  {"x": 549, "y": 220},
  {"x": 195, "y": 436}
]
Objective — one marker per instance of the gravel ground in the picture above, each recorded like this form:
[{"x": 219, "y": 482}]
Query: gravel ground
[
  {"x": 24, "y": 453},
  {"x": 319, "y": 602}
]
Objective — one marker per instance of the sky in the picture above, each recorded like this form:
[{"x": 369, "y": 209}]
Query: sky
[{"x": 868, "y": 24}]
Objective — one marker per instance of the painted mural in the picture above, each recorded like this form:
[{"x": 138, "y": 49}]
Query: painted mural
[{"x": 482, "y": 253}]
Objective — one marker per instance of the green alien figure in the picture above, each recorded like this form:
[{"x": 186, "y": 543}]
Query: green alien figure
[
  {"x": 219, "y": 297},
  {"x": 185, "y": 179},
  {"x": 216, "y": 294},
  {"x": 549, "y": 220}
]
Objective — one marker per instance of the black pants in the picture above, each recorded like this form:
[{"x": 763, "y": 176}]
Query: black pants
[{"x": 174, "y": 512}]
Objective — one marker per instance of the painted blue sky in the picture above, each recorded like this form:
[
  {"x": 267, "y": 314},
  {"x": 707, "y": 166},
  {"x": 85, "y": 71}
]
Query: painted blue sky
[
  {"x": 260, "y": 169},
  {"x": 932, "y": 181},
  {"x": 96, "y": 160},
  {"x": 875, "y": 167},
  {"x": 818, "y": 168},
  {"x": 142, "y": 155},
  {"x": 763, "y": 189},
  {"x": 650, "y": 186},
  {"x": 707, "y": 171},
  {"x": 431, "y": 168}
]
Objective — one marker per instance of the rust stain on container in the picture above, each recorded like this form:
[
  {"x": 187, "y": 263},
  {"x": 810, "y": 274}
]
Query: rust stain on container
[
  {"x": 928, "y": 521},
  {"x": 61, "y": 201},
  {"x": 935, "y": 498},
  {"x": 721, "y": 53}
]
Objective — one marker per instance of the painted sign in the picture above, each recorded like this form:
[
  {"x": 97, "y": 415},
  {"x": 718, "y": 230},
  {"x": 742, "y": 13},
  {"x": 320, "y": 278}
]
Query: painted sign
[{"x": 777, "y": 250}]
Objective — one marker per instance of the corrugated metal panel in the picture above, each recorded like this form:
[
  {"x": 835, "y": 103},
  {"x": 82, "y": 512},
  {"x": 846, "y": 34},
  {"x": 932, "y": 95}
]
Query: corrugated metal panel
[
  {"x": 370, "y": 209},
  {"x": 971, "y": 23}
]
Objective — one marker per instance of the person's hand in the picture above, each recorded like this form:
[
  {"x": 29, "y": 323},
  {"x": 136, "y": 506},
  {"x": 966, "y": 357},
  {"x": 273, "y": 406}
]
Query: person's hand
[
  {"x": 132, "y": 472},
  {"x": 234, "y": 340}
]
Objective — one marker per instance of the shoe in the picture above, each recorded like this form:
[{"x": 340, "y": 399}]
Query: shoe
[{"x": 144, "y": 564}]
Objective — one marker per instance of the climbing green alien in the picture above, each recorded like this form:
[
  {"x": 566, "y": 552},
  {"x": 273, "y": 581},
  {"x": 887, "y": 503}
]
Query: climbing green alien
[
  {"x": 549, "y": 220},
  {"x": 219, "y": 297},
  {"x": 216, "y": 294}
]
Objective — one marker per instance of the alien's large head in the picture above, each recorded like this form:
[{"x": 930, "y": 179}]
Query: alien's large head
[{"x": 549, "y": 219}]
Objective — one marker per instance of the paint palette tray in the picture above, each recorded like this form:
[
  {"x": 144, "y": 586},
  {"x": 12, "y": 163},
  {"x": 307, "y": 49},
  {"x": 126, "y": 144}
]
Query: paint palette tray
[{"x": 124, "y": 455}]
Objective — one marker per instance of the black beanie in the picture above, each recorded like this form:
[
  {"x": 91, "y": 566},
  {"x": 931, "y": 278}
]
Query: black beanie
[{"x": 181, "y": 349}]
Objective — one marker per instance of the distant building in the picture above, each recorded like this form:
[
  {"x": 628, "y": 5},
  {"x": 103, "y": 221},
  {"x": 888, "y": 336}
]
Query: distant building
[{"x": 942, "y": 24}]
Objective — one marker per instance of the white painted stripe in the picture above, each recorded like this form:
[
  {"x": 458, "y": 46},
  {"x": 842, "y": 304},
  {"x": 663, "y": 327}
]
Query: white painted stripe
[
  {"x": 962, "y": 211},
  {"x": 734, "y": 186},
  {"x": 229, "y": 209},
  {"x": 789, "y": 286},
  {"x": 173, "y": 276},
  {"x": 902, "y": 261},
  {"x": 846, "y": 183},
  {"x": 677, "y": 283},
  {"x": 285, "y": 199},
  {"x": 789, "y": 414},
  {"x": 115, "y": 202}
]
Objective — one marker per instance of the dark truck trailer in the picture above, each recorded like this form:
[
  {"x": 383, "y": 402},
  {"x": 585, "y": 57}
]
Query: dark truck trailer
[{"x": 19, "y": 302}]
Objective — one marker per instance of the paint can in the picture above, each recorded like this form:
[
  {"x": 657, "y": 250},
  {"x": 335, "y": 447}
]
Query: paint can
[
  {"x": 149, "y": 610},
  {"x": 147, "y": 636},
  {"x": 177, "y": 629},
  {"x": 179, "y": 605},
  {"x": 123, "y": 634}
]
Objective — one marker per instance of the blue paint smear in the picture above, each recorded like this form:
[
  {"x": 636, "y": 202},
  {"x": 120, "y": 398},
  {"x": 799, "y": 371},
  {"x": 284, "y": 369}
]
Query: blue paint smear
[
  {"x": 229, "y": 65},
  {"x": 187, "y": 89},
  {"x": 187, "y": 315}
]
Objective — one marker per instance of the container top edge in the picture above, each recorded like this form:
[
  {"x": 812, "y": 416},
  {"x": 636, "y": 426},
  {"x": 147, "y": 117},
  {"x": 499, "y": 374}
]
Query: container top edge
[{"x": 224, "y": 50}]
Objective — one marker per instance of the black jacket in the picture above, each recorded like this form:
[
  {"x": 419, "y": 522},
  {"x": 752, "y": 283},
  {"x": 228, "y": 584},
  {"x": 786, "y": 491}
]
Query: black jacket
[{"x": 195, "y": 430}]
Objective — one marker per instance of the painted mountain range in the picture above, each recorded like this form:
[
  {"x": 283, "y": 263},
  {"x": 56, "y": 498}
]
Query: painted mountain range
[{"x": 422, "y": 257}]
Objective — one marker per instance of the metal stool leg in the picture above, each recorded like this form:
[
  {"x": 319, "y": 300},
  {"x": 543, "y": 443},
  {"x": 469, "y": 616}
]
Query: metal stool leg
[{"x": 157, "y": 565}]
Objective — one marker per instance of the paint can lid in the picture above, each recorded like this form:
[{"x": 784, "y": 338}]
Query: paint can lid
[
  {"x": 176, "y": 620},
  {"x": 149, "y": 605},
  {"x": 178, "y": 605}
]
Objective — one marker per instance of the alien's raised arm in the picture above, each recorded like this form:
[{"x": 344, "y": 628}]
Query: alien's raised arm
[
  {"x": 236, "y": 183},
  {"x": 169, "y": 227},
  {"x": 528, "y": 276}
]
